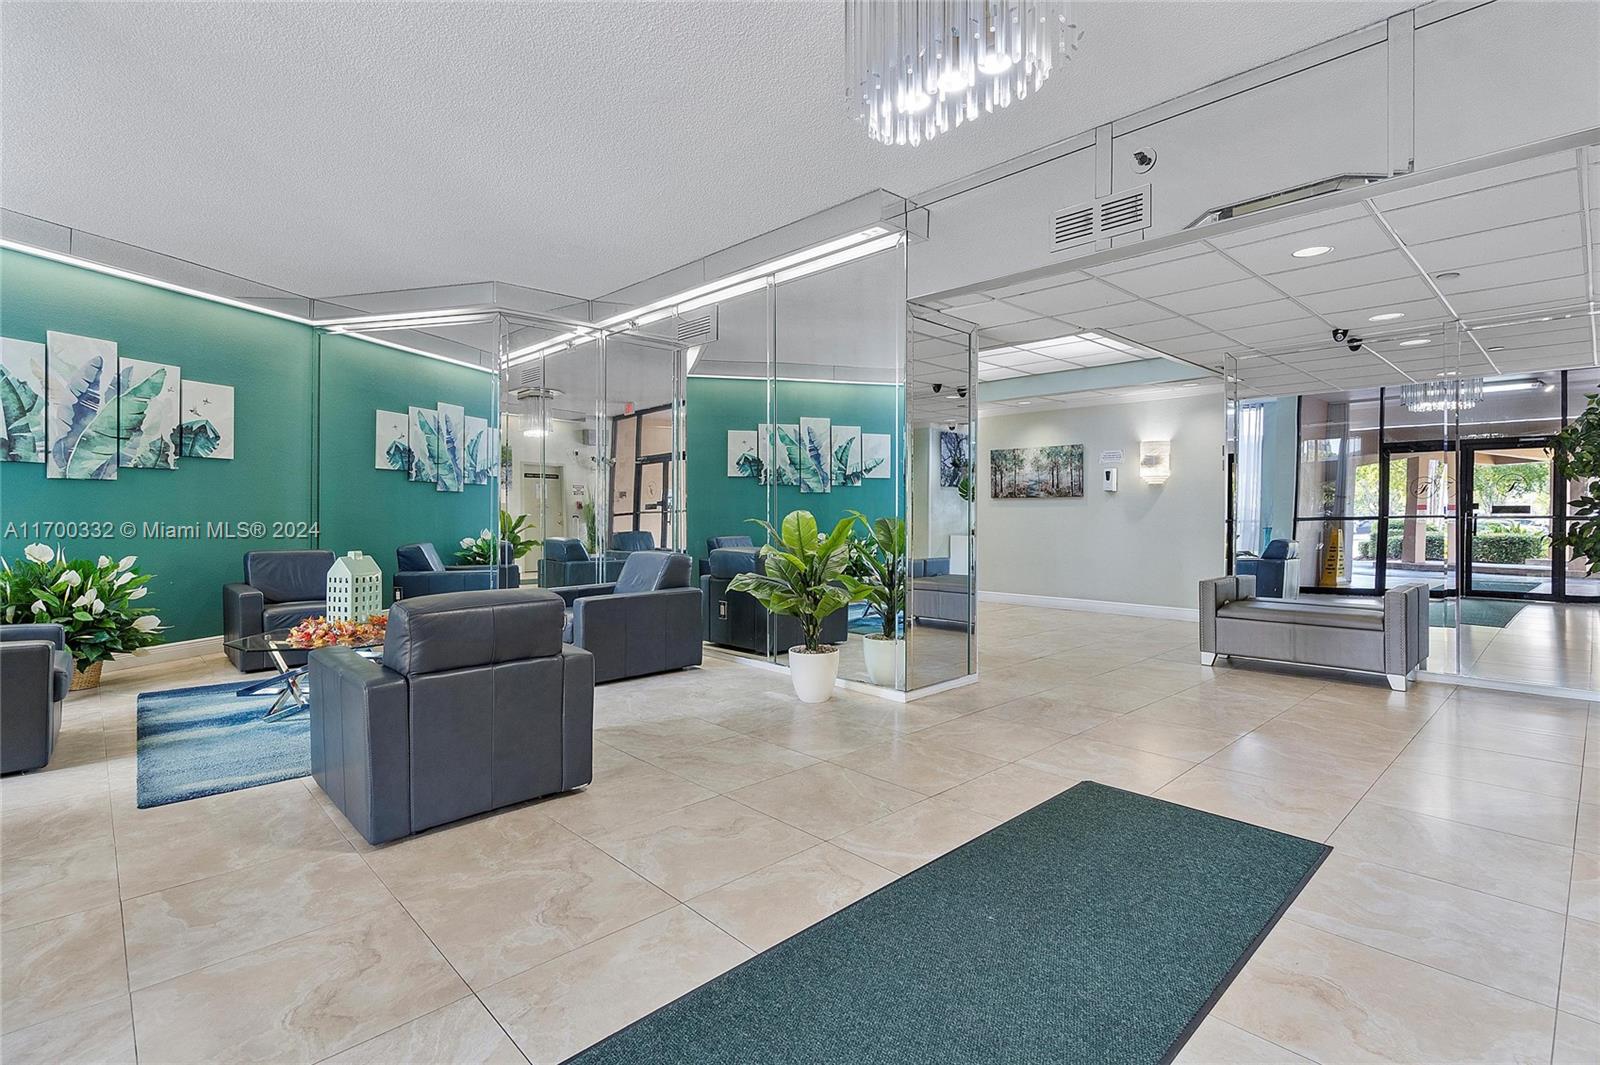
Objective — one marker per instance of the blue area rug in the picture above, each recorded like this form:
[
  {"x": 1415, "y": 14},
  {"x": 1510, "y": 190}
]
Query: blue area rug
[{"x": 205, "y": 741}]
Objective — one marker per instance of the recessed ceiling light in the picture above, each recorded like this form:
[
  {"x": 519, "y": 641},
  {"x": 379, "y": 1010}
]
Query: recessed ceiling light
[
  {"x": 1023, "y": 402},
  {"x": 1448, "y": 275},
  {"x": 1391, "y": 316},
  {"x": 1313, "y": 251},
  {"x": 1413, "y": 342},
  {"x": 1498, "y": 347}
]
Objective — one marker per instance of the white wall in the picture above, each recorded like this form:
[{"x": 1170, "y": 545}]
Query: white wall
[{"x": 1144, "y": 544}]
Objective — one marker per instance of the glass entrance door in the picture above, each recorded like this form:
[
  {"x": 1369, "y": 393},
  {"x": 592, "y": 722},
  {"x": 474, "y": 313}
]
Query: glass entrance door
[
  {"x": 1417, "y": 538},
  {"x": 1511, "y": 510}
]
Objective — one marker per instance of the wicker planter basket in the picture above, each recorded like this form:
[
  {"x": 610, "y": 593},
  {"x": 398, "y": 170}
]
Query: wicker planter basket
[{"x": 83, "y": 680}]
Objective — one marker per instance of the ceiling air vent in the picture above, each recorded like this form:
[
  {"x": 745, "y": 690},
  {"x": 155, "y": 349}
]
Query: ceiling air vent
[
  {"x": 531, "y": 375},
  {"x": 1075, "y": 225},
  {"x": 698, "y": 330}
]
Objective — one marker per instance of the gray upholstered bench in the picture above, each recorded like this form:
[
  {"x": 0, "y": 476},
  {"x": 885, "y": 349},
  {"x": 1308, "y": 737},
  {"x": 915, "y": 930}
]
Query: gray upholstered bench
[{"x": 1387, "y": 635}]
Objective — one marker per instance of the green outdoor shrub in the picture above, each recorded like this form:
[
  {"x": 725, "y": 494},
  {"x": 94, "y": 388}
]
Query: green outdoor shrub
[{"x": 1510, "y": 547}]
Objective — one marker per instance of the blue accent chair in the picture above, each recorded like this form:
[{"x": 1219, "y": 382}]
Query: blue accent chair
[
  {"x": 738, "y": 620},
  {"x": 1277, "y": 571},
  {"x": 647, "y": 621},
  {"x": 624, "y": 544},
  {"x": 420, "y": 571},
  {"x": 280, "y": 589},
  {"x": 567, "y": 562},
  {"x": 35, "y": 675},
  {"x": 714, "y": 543}
]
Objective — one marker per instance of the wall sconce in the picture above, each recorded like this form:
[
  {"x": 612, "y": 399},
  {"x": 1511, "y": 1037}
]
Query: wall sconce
[{"x": 1155, "y": 461}]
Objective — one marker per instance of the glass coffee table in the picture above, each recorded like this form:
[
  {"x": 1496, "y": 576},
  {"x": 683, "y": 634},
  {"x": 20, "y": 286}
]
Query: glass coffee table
[{"x": 292, "y": 683}]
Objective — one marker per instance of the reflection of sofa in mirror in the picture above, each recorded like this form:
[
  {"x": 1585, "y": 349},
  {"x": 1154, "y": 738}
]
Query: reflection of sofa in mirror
[
  {"x": 280, "y": 589},
  {"x": 567, "y": 562},
  {"x": 420, "y": 571},
  {"x": 715, "y": 542},
  {"x": 474, "y": 705},
  {"x": 937, "y": 594},
  {"x": 625, "y": 543},
  {"x": 738, "y": 620},
  {"x": 1277, "y": 571},
  {"x": 35, "y": 675},
  {"x": 647, "y": 621}
]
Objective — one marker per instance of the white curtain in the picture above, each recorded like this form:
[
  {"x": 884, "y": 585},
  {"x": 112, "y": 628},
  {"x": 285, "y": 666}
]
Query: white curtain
[{"x": 1252, "y": 419}]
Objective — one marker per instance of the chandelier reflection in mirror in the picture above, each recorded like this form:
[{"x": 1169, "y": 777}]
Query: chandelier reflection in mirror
[
  {"x": 1442, "y": 395},
  {"x": 919, "y": 68}
]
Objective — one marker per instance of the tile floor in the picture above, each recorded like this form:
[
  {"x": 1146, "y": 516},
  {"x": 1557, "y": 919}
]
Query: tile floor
[{"x": 1457, "y": 920}]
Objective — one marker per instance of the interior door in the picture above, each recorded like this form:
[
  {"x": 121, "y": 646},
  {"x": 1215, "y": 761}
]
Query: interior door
[
  {"x": 1511, "y": 511},
  {"x": 1416, "y": 537}
]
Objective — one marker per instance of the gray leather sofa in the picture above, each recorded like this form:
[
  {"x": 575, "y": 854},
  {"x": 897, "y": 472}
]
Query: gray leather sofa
[
  {"x": 35, "y": 675},
  {"x": 647, "y": 621},
  {"x": 936, "y": 594},
  {"x": 420, "y": 571},
  {"x": 280, "y": 590},
  {"x": 1387, "y": 635},
  {"x": 567, "y": 562},
  {"x": 738, "y": 620},
  {"x": 474, "y": 705}
]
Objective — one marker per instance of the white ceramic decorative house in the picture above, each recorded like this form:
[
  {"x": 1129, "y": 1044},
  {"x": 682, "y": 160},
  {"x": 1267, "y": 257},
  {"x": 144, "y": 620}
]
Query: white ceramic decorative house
[{"x": 355, "y": 588}]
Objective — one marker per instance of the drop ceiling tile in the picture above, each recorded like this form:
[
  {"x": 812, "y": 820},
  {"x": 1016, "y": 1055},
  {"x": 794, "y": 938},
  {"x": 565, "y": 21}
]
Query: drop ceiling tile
[
  {"x": 1514, "y": 297},
  {"x": 1021, "y": 332},
  {"x": 1500, "y": 175},
  {"x": 1052, "y": 280},
  {"x": 1086, "y": 295},
  {"x": 1108, "y": 358},
  {"x": 1165, "y": 329},
  {"x": 1013, "y": 357},
  {"x": 1182, "y": 270},
  {"x": 1419, "y": 314},
  {"x": 1491, "y": 208},
  {"x": 1344, "y": 273},
  {"x": 1508, "y": 242},
  {"x": 1288, "y": 227},
  {"x": 1277, "y": 334},
  {"x": 1351, "y": 238},
  {"x": 1200, "y": 344},
  {"x": 997, "y": 373},
  {"x": 1220, "y": 297},
  {"x": 1136, "y": 312},
  {"x": 1546, "y": 267},
  {"x": 1366, "y": 300},
  {"x": 995, "y": 312},
  {"x": 1279, "y": 310}
]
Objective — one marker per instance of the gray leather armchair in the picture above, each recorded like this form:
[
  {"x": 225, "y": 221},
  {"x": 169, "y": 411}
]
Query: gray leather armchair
[
  {"x": 35, "y": 675},
  {"x": 474, "y": 705},
  {"x": 738, "y": 620},
  {"x": 567, "y": 562},
  {"x": 1277, "y": 571},
  {"x": 714, "y": 543},
  {"x": 418, "y": 570},
  {"x": 280, "y": 590},
  {"x": 648, "y": 621},
  {"x": 624, "y": 544}
]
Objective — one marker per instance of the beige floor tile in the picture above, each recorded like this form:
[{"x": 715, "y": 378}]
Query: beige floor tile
[
  {"x": 1059, "y": 710},
  {"x": 1161, "y": 737},
  {"x": 826, "y": 800},
  {"x": 1588, "y": 834},
  {"x": 1008, "y": 791},
  {"x": 657, "y": 737},
  {"x": 56, "y": 858},
  {"x": 574, "y": 1001},
  {"x": 731, "y": 764},
  {"x": 1537, "y": 775},
  {"x": 302, "y": 999},
  {"x": 690, "y": 851},
  {"x": 180, "y": 929},
  {"x": 507, "y": 892},
  {"x": 1535, "y": 713},
  {"x": 1309, "y": 811},
  {"x": 822, "y": 735},
  {"x": 1214, "y": 711},
  {"x": 915, "y": 836},
  {"x": 924, "y": 766},
  {"x": 1520, "y": 813},
  {"x": 1334, "y": 1000},
  {"x": 463, "y": 1033},
  {"x": 1005, "y": 741},
  {"x": 77, "y": 769},
  {"x": 1511, "y": 867},
  {"x": 622, "y": 797},
  {"x": 1584, "y": 900},
  {"x": 1129, "y": 768},
  {"x": 61, "y": 965},
  {"x": 1216, "y": 1042},
  {"x": 1120, "y": 698},
  {"x": 769, "y": 906},
  {"x": 1580, "y": 970},
  {"x": 101, "y": 1034},
  {"x": 1504, "y": 739},
  {"x": 1504, "y": 944},
  {"x": 988, "y": 691},
  {"x": 169, "y": 845},
  {"x": 1577, "y": 1041}
]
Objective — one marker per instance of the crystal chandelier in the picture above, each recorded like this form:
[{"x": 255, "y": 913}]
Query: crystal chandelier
[
  {"x": 1426, "y": 397},
  {"x": 919, "y": 68}
]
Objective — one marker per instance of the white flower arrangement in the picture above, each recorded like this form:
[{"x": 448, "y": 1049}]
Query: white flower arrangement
[{"x": 93, "y": 601}]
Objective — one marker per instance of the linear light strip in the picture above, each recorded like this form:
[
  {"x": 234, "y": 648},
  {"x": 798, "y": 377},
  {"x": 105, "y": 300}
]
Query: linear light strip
[{"x": 211, "y": 297}]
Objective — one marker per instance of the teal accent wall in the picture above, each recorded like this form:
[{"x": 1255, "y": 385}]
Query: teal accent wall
[
  {"x": 276, "y": 476},
  {"x": 719, "y": 505}
]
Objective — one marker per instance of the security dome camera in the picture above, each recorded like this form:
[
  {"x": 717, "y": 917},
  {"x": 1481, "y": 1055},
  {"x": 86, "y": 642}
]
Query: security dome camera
[
  {"x": 961, "y": 390},
  {"x": 1354, "y": 344},
  {"x": 1339, "y": 335},
  {"x": 937, "y": 388}
]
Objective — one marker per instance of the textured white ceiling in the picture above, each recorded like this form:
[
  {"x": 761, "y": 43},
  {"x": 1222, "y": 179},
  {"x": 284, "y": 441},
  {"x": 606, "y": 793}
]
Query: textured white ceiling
[{"x": 334, "y": 148}]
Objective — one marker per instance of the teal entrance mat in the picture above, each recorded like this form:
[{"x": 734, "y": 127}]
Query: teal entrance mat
[{"x": 1098, "y": 927}]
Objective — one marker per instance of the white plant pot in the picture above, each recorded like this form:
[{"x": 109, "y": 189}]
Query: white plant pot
[
  {"x": 883, "y": 660},
  {"x": 813, "y": 674}
]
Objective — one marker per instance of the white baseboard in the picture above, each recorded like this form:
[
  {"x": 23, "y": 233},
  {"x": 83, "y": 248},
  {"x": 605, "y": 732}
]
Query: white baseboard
[
  {"x": 166, "y": 652},
  {"x": 1092, "y": 606}
]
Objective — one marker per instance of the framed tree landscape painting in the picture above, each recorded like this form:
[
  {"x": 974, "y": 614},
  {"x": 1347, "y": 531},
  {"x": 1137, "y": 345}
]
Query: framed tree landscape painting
[{"x": 1054, "y": 472}]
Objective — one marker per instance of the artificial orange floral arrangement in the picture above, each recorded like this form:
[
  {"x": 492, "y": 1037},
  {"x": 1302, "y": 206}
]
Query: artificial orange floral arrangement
[{"x": 320, "y": 632}]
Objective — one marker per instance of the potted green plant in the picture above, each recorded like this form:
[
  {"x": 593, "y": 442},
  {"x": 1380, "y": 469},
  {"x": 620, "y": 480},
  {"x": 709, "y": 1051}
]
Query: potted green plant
[
  {"x": 481, "y": 550},
  {"x": 805, "y": 576},
  {"x": 95, "y": 602},
  {"x": 1577, "y": 449},
  {"x": 878, "y": 561}
]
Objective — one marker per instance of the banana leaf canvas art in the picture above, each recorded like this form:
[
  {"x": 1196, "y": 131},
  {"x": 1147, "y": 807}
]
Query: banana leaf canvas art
[
  {"x": 479, "y": 455},
  {"x": 875, "y": 456},
  {"x": 778, "y": 449},
  {"x": 424, "y": 439},
  {"x": 744, "y": 455},
  {"x": 393, "y": 451},
  {"x": 450, "y": 469},
  {"x": 149, "y": 413},
  {"x": 205, "y": 429},
  {"x": 846, "y": 442},
  {"x": 21, "y": 400},
  {"x": 816, "y": 455},
  {"x": 81, "y": 430}
]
